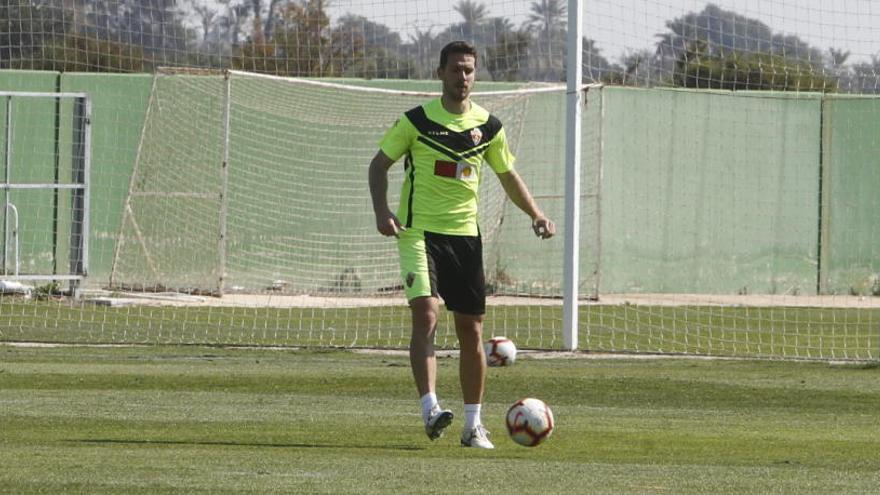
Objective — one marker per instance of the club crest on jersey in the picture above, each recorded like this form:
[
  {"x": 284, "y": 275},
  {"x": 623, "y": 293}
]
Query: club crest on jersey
[{"x": 476, "y": 135}]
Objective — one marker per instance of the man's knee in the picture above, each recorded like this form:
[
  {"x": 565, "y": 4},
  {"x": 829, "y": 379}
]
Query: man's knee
[
  {"x": 424, "y": 315},
  {"x": 469, "y": 327}
]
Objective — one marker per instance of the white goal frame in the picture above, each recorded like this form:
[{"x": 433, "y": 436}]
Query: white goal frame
[{"x": 574, "y": 101}]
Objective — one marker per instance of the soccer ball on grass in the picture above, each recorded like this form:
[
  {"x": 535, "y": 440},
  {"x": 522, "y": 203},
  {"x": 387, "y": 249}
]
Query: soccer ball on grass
[
  {"x": 529, "y": 422},
  {"x": 500, "y": 351}
]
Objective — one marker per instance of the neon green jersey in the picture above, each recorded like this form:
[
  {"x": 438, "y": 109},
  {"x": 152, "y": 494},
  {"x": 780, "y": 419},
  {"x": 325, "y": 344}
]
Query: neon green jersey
[{"x": 444, "y": 156}]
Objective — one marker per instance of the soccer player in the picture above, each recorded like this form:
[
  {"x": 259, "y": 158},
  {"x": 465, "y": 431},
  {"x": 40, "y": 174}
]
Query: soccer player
[{"x": 445, "y": 142}]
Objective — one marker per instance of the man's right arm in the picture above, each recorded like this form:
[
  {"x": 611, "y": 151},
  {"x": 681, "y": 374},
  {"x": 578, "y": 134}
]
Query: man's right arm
[{"x": 386, "y": 222}]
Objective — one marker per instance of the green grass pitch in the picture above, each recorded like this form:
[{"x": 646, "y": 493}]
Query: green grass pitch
[{"x": 191, "y": 419}]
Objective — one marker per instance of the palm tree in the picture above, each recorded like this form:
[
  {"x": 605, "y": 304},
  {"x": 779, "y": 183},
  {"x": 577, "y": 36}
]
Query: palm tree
[
  {"x": 423, "y": 43},
  {"x": 507, "y": 51},
  {"x": 595, "y": 66},
  {"x": 548, "y": 20},
  {"x": 474, "y": 14},
  {"x": 548, "y": 17},
  {"x": 838, "y": 57}
]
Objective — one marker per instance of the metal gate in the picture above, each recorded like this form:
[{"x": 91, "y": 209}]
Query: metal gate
[{"x": 46, "y": 147}]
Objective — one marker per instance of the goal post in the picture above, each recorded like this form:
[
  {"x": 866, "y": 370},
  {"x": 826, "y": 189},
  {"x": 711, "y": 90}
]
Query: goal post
[
  {"x": 46, "y": 187},
  {"x": 572, "y": 226}
]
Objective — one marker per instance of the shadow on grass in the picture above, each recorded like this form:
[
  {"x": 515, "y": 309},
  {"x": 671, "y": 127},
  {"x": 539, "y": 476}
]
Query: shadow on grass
[{"x": 110, "y": 441}]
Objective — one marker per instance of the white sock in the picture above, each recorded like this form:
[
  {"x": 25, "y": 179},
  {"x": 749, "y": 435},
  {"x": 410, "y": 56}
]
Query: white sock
[
  {"x": 471, "y": 416},
  {"x": 429, "y": 404}
]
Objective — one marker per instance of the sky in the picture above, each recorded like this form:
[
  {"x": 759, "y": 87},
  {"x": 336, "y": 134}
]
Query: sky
[{"x": 623, "y": 26}]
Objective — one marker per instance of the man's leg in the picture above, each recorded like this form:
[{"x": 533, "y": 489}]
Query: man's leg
[
  {"x": 421, "y": 345},
  {"x": 472, "y": 373},
  {"x": 424, "y": 364},
  {"x": 472, "y": 363}
]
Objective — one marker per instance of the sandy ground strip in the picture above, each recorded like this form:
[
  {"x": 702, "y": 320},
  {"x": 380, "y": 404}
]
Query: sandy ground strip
[{"x": 308, "y": 301}]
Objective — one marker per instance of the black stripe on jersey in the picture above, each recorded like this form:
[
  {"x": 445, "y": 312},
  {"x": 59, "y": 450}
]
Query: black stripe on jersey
[
  {"x": 475, "y": 151},
  {"x": 407, "y": 165},
  {"x": 490, "y": 129},
  {"x": 427, "y": 142},
  {"x": 456, "y": 141}
]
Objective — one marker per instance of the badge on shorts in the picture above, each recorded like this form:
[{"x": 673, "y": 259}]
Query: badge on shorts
[{"x": 410, "y": 278}]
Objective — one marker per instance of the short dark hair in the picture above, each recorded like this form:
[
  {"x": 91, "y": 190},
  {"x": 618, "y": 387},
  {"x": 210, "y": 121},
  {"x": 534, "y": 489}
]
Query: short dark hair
[{"x": 457, "y": 47}]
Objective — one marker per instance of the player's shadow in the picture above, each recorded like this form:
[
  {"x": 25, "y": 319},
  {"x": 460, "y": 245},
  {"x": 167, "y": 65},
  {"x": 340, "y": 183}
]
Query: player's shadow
[{"x": 117, "y": 441}]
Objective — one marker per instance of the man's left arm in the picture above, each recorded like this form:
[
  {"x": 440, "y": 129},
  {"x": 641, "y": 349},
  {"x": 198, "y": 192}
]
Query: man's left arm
[{"x": 518, "y": 193}]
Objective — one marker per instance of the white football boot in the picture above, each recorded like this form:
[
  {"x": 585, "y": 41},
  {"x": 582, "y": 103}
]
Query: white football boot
[
  {"x": 437, "y": 423},
  {"x": 477, "y": 437}
]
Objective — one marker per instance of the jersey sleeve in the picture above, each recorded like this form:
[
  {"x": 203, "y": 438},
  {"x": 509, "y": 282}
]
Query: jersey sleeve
[
  {"x": 498, "y": 154},
  {"x": 398, "y": 139}
]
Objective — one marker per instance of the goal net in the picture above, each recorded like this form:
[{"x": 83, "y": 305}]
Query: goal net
[{"x": 266, "y": 193}]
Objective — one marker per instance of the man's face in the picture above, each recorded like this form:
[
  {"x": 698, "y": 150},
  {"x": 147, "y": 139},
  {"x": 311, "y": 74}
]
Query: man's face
[{"x": 458, "y": 76}]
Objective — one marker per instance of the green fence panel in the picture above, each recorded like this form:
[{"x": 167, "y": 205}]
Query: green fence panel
[
  {"x": 709, "y": 192},
  {"x": 119, "y": 102},
  {"x": 851, "y": 192},
  {"x": 28, "y": 80}
]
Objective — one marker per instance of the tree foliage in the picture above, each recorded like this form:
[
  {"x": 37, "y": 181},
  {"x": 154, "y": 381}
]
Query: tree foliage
[
  {"x": 696, "y": 68},
  {"x": 506, "y": 59},
  {"x": 299, "y": 46},
  {"x": 362, "y": 48},
  {"x": 25, "y": 28},
  {"x": 710, "y": 48},
  {"x": 88, "y": 53},
  {"x": 92, "y": 35},
  {"x": 473, "y": 14},
  {"x": 547, "y": 23},
  {"x": 305, "y": 44},
  {"x": 864, "y": 77},
  {"x": 720, "y": 49}
]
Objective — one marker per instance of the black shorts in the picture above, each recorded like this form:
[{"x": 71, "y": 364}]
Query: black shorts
[{"x": 450, "y": 266}]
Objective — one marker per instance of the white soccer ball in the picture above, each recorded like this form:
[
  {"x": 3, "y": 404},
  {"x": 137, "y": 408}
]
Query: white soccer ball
[
  {"x": 500, "y": 351},
  {"x": 529, "y": 422}
]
